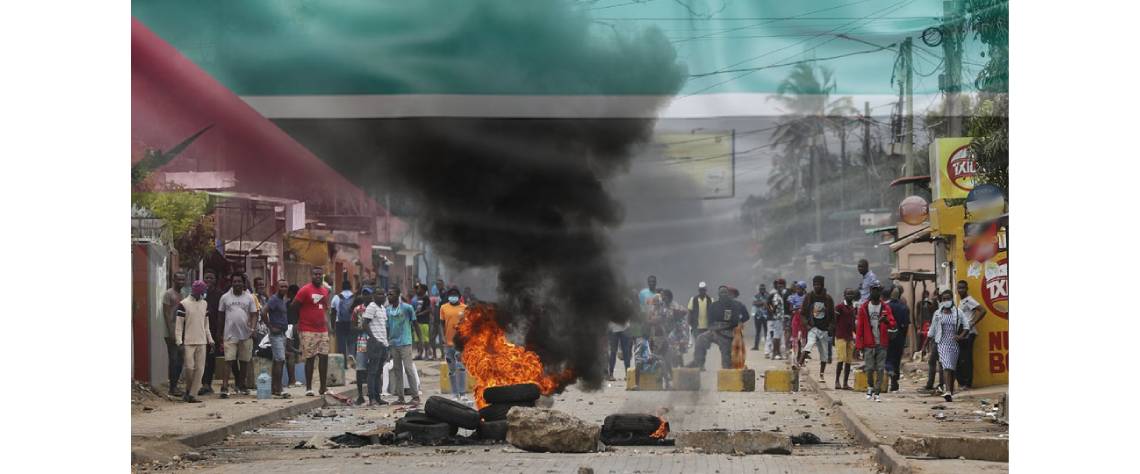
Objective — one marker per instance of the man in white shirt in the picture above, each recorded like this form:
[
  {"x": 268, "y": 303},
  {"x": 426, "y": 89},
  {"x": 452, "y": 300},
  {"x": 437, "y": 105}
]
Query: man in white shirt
[
  {"x": 376, "y": 320},
  {"x": 241, "y": 313},
  {"x": 973, "y": 311}
]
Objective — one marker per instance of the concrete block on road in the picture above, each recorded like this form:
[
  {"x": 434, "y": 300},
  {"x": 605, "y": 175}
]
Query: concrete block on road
[
  {"x": 976, "y": 448},
  {"x": 686, "y": 378},
  {"x": 445, "y": 380},
  {"x": 648, "y": 381},
  {"x": 736, "y": 380},
  {"x": 778, "y": 381},
  {"x": 735, "y": 442}
]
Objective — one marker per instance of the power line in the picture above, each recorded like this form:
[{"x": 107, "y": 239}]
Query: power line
[
  {"x": 895, "y": 6},
  {"x": 771, "y": 66},
  {"x": 773, "y": 21},
  {"x": 770, "y": 18}
]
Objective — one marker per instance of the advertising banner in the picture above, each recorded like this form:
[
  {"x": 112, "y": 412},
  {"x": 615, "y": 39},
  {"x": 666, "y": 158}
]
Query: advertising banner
[
  {"x": 706, "y": 158},
  {"x": 952, "y": 168},
  {"x": 988, "y": 282}
]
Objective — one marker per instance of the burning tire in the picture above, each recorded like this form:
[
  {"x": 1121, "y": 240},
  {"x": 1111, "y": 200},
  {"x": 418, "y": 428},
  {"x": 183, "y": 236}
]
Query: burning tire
[
  {"x": 492, "y": 430},
  {"x": 498, "y": 411},
  {"x": 631, "y": 423},
  {"x": 523, "y": 392},
  {"x": 425, "y": 431},
  {"x": 452, "y": 412}
]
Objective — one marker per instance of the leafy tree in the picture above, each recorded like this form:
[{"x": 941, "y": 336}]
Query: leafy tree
[{"x": 989, "y": 20}]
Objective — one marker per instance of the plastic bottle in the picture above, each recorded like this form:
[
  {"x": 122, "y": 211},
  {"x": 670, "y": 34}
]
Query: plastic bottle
[{"x": 264, "y": 381}]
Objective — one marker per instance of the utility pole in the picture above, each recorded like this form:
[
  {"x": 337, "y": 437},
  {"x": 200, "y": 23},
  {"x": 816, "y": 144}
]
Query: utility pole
[
  {"x": 907, "y": 51},
  {"x": 867, "y": 142},
  {"x": 815, "y": 172},
  {"x": 950, "y": 80}
]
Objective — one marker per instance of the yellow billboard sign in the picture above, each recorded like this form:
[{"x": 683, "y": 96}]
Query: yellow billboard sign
[
  {"x": 953, "y": 168},
  {"x": 705, "y": 158}
]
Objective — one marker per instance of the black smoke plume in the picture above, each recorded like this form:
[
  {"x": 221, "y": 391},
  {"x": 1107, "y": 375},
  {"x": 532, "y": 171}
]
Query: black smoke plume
[{"x": 524, "y": 196}]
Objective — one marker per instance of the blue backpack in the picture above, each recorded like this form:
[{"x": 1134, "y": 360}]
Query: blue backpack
[{"x": 344, "y": 309}]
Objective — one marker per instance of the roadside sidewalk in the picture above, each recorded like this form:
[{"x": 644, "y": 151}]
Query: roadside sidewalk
[
  {"x": 926, "y": 424},
  {"x": 162, "y": 427}
]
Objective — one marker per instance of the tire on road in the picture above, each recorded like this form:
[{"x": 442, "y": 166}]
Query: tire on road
[
  {"x": 636, "y": 423},
  {"x": 420, "y": 416},
  {"x": 424, "y": 431},
  {"x": 523, "y": 392},
  {"x": 452, "y": 412},
  {"x": 498, "y": 411},
  {"x": 492, "y": 430}
]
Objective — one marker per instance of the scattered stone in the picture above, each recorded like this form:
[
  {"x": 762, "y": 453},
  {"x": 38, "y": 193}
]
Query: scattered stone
[
  {"x": 910, "y": 446},
  {"x": 772, "y": 412},
  {"x": 535, "y": 429},
  {"x": 938, "y": 407},
  {"x": 585, "y": 470},
  {"x": 239, "y": 402},
  {"x": 837, "y": 403},
  {"x": 731, "y": 442},
  {"x": 146, "y": 408},
  {"x": 940, "y": 416},
  {"x": 193, "y": 456}
]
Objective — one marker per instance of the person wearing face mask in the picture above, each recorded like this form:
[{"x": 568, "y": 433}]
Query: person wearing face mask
[
  {"x": 871, "y": 336},
  {"x": 192, "y": 333},
  {"x": 947, "y": 329},
  {"x": 844, "y": 335},
  {"x": 724, "y": 315},
  {"x": 451, "y": 313}
]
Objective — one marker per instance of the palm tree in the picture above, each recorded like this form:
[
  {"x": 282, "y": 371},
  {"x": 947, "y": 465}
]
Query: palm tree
[{"x": 805, "y": 95}]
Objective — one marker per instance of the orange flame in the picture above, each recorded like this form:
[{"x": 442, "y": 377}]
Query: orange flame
[
  {"x": 662, "y": 430},
  {"x": 494, "y": 361}
]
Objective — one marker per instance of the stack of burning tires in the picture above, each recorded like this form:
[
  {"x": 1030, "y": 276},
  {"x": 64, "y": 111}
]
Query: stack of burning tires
[{"x": 500, "y": 400}]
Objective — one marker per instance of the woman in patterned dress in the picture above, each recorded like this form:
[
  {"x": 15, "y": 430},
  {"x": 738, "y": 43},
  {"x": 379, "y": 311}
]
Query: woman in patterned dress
[{"x": 946, "y": 329}]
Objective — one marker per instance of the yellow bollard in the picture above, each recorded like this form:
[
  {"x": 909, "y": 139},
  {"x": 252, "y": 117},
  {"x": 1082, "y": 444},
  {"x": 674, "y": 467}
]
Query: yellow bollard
[
  {"x": 648, "y": 381},
  {"x": 778, "y": 381}
]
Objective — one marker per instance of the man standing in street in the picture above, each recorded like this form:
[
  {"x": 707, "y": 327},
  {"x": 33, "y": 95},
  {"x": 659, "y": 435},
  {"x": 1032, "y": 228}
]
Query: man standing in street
[
  {"x": 795, "y": 306},
  {"x": 422, "y": 304},
  {"x": 973, "y": 311},
  {"x": 724, "y": 314},
  {"x": 868, "y": 277},
  {"x": 777, "y": 327},
  {"x": 452, "y": 313},
  {"x": 898, "y": 336},
  {"x": 401, "y": 317},
  {"x": 192, "y": 333},
  {"x": 648, "y": 292},
  {"x": 844, "y": 337},
  {"x": 278, "y": 312},
  {"x": 342, "y": 305},
  {"x": 170, "y": 301},
  {"x": 699, "y": 310},
  {"x": 241, "y": 315},
  {"x": 760, "y": 315},
  {"x": 213, "y": 295},
  {"x": 873, "y": 322},
  {"x": 375, "y": 320},
  {"x": 312, "y": 302},
  {"x": 818, "y": 314}
]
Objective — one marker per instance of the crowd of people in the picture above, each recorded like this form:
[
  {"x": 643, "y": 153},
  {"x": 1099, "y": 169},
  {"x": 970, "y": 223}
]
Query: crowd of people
[
  {"x": 801, "y": 323},
  {"x": 374, "y": 328}
]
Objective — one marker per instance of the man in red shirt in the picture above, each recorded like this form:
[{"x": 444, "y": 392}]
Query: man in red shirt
[
  {"x": 871, "y": 326},
  {"x": 845, "y": 337},
  {"x": 312, "y": 302}
]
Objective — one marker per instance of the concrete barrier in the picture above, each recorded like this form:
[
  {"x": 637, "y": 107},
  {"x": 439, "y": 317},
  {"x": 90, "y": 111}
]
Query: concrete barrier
[
  {"x": 736, "y": 380},
  {"x": 777, "y": 381},
  {"x": 648, "y": 381}
]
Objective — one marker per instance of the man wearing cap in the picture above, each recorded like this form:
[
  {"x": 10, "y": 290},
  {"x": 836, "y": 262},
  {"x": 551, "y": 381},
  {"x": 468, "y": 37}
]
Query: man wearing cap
[
  {"x": 818, "y": 315},
  {"x": 871, "y": 336},
  {"x": 723, "y": 316},
  {"x": 192, "y": 333},
  {"x": 699, "y": 310}
]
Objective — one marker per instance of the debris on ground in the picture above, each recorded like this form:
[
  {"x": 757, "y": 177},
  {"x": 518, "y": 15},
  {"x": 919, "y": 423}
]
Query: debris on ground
[{"x": 806, "y": 438}]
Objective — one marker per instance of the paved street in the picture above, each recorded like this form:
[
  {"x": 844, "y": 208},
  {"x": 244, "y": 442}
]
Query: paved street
[{"x": 271, "y": 447}]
